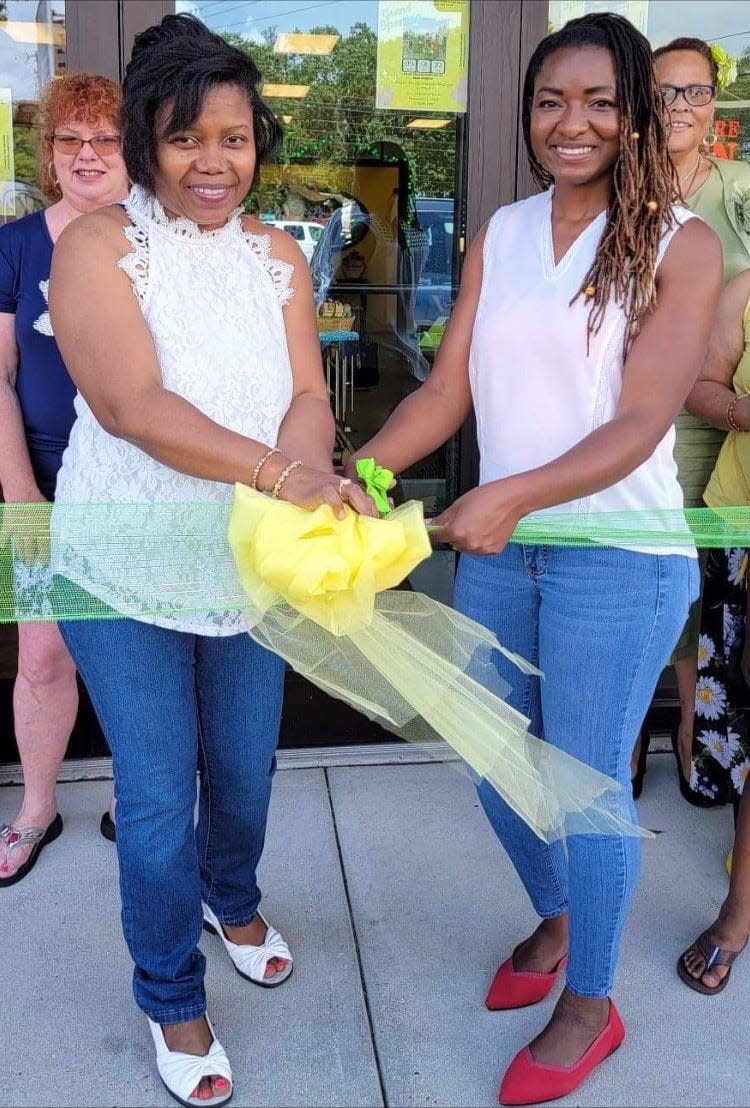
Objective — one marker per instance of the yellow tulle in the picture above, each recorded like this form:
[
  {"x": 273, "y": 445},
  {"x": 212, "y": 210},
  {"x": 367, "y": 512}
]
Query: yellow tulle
[
  {"x": 327, "y": 569},
  {"x": 322, "y": 596}
]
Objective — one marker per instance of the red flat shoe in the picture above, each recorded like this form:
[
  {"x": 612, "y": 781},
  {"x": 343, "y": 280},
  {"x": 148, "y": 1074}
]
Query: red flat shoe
[
  {"x": 512, "y": 988},
  {"x": 530, "y": 1082}
]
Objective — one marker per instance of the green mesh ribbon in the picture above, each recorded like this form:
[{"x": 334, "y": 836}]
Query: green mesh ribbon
[{"x": 173, "y": 559}]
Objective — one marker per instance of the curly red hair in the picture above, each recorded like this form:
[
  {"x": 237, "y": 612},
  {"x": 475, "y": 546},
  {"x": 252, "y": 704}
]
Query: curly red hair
[{"x": 73, "y": 98}]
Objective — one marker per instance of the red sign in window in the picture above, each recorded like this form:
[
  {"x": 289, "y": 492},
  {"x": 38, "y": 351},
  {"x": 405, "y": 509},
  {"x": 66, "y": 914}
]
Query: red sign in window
[{"x": 727, "y": 139}]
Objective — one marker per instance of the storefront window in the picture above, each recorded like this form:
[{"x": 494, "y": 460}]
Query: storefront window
[
  {"x": 724, "y": 22},
  {"x": 369, "y": 181},
  {"x": 32, "y": 52}
]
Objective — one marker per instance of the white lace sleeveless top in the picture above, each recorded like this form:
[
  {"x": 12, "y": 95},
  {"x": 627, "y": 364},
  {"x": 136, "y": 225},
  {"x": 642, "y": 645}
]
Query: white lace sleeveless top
[
  {"x": 537, "y": 391},
  {"x": 213, "y": 304}
]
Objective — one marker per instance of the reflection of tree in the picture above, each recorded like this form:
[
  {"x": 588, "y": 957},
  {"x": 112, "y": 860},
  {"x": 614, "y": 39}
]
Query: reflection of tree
[
  {"x": 24, "y": 154},
  {"x": 338, "y": 120}
]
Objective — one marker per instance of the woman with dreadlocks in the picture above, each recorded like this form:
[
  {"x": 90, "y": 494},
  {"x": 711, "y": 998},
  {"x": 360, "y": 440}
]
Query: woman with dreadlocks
[{"x": 580, "y": 327}]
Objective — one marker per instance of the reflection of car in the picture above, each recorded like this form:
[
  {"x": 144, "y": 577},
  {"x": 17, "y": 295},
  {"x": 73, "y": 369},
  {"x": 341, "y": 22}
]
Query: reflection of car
[
  {"x": 17, "y": 198},
  {"x": 435, "y": 292},
  {"x": 422, "y": 270},
  {"x": 305, "y": 234}
]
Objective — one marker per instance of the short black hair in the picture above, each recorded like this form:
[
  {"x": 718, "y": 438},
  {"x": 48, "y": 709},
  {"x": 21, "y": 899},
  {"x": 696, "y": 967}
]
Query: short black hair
[{"x": 177, "y": 62}]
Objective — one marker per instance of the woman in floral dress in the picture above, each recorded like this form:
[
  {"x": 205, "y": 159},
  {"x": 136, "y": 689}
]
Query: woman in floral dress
[
  {"x": 721, "y": 759},
  {"x": 721, "y": 752},
  {"x": 721, "y": 765}
]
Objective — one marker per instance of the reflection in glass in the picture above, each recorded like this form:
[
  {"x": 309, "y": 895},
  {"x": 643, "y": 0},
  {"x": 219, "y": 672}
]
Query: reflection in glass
[{"x": 32, "y": 52}]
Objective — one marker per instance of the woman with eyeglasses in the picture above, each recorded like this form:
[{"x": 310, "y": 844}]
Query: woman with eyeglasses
[
  {"x": 81, "y": 168},
  {"x": 689, "y": 78}
]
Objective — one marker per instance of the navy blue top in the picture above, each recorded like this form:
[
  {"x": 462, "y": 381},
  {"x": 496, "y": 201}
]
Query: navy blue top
[{"x": 45, "y": 390}]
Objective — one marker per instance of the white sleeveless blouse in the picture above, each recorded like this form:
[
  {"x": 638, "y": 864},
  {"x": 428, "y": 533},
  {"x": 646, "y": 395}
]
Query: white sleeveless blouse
[
  {"x": 536, "y": 390},
  {"x": 213, "y": 304}
]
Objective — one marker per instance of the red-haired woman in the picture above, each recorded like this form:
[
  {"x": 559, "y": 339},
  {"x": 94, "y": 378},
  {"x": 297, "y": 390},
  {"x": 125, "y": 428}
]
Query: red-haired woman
[{"x": 81, "y": 168}]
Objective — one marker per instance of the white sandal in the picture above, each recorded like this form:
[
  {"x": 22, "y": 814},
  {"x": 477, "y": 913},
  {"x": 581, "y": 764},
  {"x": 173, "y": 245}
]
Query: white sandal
[
  {"x": 182, "y": 1073},
  {"x": 251, "y": 961}
]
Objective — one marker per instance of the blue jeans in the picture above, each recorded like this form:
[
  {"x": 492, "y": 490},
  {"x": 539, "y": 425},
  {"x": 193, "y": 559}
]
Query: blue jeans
[
  {"x": 171, "y": 704},
  {"x": 600, "y": 624}
]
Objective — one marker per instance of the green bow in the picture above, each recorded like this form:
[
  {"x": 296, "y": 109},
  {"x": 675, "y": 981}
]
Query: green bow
[
  {"x": 726, "y": 65},
  {"x": 377, "y": 481}
]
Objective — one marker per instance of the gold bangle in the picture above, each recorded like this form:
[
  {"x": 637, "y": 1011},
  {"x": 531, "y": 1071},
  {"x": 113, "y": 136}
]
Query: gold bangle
[
  {"x": 256, "y": 472},
  {"x": 281, "y": 479},
  {"x": 729, "y": 415}
]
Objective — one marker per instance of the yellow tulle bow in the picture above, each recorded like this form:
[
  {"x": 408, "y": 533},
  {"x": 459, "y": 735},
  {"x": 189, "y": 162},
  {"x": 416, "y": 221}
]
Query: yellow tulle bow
[
  {"x": 327, "y": 569},
  {"x": 321, "y": 594}
]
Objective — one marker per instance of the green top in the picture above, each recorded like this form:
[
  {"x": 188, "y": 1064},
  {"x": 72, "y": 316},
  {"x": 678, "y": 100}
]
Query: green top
[
  {"x": 721, "y": 202},
  {"x": 715, "y": 200}
]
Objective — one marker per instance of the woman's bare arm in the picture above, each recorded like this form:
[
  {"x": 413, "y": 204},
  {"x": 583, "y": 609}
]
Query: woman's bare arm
[
  {"x": 307, "y": 430},
  {"x": 438, "y": 408},
  {"x": 16, "y": 475},
  {"x": 712, "y": 392}
]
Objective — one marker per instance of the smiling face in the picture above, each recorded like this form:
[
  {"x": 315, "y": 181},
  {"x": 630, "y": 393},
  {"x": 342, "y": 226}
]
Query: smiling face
[
  {"x": 87, "y": 178},
  {"x": 575, "y": 121},
  {"x": 688, "y": 125},
  {"x": 205, "y": 171}
]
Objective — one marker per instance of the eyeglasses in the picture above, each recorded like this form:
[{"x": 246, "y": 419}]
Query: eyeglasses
[
  {"x": 695, "y": 95},
  {"x": 100, "y": 144}
]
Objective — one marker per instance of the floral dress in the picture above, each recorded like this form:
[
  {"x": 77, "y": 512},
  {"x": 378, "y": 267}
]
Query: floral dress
[{"x": 721, "y": 742}]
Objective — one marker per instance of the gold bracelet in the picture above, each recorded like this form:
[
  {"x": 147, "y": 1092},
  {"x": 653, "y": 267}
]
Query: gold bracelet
[
  {"x": 256, "y": 472},
  {"x": 281, "y": 479},
  {"x": 729, "y": 415}
]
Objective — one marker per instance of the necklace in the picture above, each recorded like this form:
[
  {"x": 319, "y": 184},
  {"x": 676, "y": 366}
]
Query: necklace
[{"x": 692, "y": 174}]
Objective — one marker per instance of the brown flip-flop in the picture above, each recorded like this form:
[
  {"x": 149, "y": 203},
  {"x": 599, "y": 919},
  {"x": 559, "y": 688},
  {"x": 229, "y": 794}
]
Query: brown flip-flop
[{"x": 713, "y": 956}]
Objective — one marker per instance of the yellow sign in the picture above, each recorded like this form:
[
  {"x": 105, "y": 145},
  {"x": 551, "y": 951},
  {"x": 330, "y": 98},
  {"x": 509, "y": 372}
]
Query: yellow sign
[
  {"x": 422, "y": 55},
  {"x": 7, "y": 162},
  {"x": 560, "y": 11}
]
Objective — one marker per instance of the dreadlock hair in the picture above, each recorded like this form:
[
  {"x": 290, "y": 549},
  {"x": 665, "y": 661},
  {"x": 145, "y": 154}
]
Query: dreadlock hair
[{"x": 644, "y": 182}]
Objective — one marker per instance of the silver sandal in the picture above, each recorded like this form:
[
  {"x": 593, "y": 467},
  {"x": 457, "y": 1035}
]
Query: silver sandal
[{"x": 37, "y": 837}]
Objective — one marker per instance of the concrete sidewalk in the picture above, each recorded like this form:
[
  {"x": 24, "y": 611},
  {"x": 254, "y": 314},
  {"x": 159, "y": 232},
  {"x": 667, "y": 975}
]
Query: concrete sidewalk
[{"x": 398, "y": 905}]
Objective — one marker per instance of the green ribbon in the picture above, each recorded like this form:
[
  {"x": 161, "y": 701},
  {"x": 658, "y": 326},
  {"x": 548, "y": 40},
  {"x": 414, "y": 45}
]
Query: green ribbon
[
  {"x": 176, "y": 553},
  {"x": 377, "y": 481}
]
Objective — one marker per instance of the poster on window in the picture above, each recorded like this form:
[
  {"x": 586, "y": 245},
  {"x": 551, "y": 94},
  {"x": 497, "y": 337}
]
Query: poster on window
[
  {"x": 422, "y": 55},
  {"x": 7, "y": 168},
  {"x": 560, "y": 11}
]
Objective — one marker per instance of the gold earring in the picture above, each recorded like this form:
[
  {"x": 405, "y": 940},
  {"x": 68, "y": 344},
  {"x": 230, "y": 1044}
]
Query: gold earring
[
  {"x": 50, "y": 171},
  {"x": 710, "y": 138}
]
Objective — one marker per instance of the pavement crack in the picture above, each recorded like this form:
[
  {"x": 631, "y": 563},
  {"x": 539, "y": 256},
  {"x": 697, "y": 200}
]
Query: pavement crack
[{"x": 357, "y": 949}]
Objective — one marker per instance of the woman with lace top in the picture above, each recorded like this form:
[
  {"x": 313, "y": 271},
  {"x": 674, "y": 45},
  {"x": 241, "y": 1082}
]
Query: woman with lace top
[{"x": 189, "y": 330}]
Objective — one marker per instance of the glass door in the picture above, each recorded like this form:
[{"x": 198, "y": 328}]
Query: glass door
[{"x": 370, "y": 182}]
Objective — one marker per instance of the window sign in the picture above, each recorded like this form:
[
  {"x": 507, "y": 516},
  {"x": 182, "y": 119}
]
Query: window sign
[
  {"x": 561, "y": 11},
  {"x": 6, "y": 150},
  {"x": 422, "y": 52}
]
